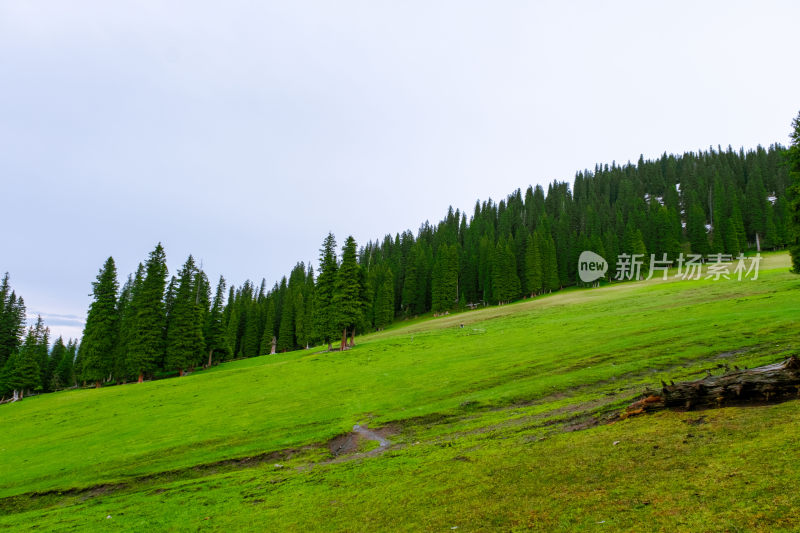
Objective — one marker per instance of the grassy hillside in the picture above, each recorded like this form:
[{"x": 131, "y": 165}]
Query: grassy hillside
[{"x": 491, "y": 425}]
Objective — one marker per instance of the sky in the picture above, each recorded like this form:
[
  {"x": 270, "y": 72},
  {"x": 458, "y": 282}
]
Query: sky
[{"x": 242, "y": 132}]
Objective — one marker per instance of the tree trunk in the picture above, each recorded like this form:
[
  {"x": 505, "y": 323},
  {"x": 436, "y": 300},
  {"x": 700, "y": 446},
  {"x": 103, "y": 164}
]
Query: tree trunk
[
  {"x": 141, "y": 377},
  {"x": 97, "y": 384},
  {"x": 210, "y": 353},
  {"x": 180, "y": 372},
  {"x": 344, "y": 339},
  {"x": 330, "y": 346},
  {"x": 771, "y": 383},
  {"x": 353, "y": 338}
]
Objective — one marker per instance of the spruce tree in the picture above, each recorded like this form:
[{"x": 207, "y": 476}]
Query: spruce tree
[
  {"x": 347, "y": 296},
  {"x": 325, "y": 321},
  {"x": 146, "y": 343},
  {"x": 12, "y": 320},
  {"x": 57, "y": 355},
  {"x": 216, "y": 341},
  {"x": 793, "y": 157},
  {"x": 286, "y": 328},
  {"x": 185, "y": 343},
  {"x": 384, "y": 302},
  {"x": 269, "y": 326},
  {"x": 26, "y": 376},
  {"x": 444, "y": 282},
  {"x": 533, "y": 266},
  {"x": 65, "y": 367},
  {"x": 102, "y": 326}
]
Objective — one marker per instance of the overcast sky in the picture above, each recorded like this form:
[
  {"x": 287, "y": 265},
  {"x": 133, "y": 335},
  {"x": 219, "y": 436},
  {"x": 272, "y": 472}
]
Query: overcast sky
[{"x": 242, "y": 132}]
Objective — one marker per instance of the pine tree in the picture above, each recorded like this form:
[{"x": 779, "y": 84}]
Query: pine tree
[
  {"x": 27, "y": 377},
  {"x": 216, "y": 341},
  {"x": 269, "y": 326},
  {"x": 445, "y": 279},
  {"x": 325, "y": 321},
  {"x": 286, "y": 328},
  {"x": 551, "y": 281},
  {"x": 102, "y": 326},
  {"x": 793, "y": 157},
  {"x": 12, "y": 320},
  {"x": 696, "y": 230},
  {"x": 65, "y": 367},
  {"x": 347, "y": 296},
  {"x": 119, "y": 366},
  {"x": 533, "y": 266},
  {"x": 57, "y": 355},
  {"x": 185, "y": 344},
  {"x": 384, "y": 301},
  {"x": 146, "y": 344}
]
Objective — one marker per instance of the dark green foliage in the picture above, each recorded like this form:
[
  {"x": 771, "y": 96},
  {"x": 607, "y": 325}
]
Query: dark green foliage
[
  {"x": 26, "y": 375},
  {"x": 64, "y": 369},
  {"x": 102, "y": 326},
  {"x": 444, "y": 283},
  {"x": 146, "y": 341},
  {"x": 348, "y": 301},
  {"x": 793, "y": 233},
  {"x": 286, "y": 328},
  {"x": 696, "y": 230},
  {"x": 325, "y": 320},
  {"x": 56, "y": 358},
  {"x": 12, "y": 320},
  {"x": 185, "y": 343},
  {"x": 533, "y": 266},
  {"x": 384, "y": 302},
  {"x": 505, "y": 282},
  {"x": 217, "y": 346}
]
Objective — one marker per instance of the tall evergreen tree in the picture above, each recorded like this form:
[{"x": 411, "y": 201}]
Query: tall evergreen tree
[
  {"x": 533, "y": 266},
  {"x": 347, "y": 296},
  {"x": 12, "y": 320},
  {"x": 102, "y": 326},
  {"x": 794, "y": 209},
  {"x": 185, "y": 343},
  {"x": 444, "y": 284},
  {"x": 216, "y": 341},
  {"x": 325, "y": 321},
  {"x": 146, "y": 344}
]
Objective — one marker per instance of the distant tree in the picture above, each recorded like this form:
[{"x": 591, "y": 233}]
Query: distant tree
[
  {"x": 551, "y": 281},
  {"x": 146, "y": 343},
  {"x": 65, "y": 368},
  {"x": 185, "y": 344},
  {"x": 794, "y": 208},
  {"x": 533, "y": 266},
  {"x": 445, "y": 279},
  {"x": 384, "y": 301},
  {"x": 696, "y": 230},
  {"x": 57, "y": 355},
  {"x": 215, "y": 332},
  {"x": 12, "y": 320},
  {"x": 26, "y": 374},
  {"x": 505, "y": 282},
  {"x": 347, "y": 295},
  {"x": 102, "y": 326},
  {"x": 325, "y": 320}
]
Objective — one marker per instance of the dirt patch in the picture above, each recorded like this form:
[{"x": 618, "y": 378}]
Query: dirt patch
[{"x": 351, "y": 442}]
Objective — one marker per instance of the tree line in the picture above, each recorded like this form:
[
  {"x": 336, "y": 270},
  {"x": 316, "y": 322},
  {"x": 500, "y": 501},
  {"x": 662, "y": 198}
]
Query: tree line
[
  {"x": 27, "y": 361},
  {"x": 709, "y": 202}
]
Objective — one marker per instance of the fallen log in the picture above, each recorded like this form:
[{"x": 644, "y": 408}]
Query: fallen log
[{"x": 766, "y": 384}]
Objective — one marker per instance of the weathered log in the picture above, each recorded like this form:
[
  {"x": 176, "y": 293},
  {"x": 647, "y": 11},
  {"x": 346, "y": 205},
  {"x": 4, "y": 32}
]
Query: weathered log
[{"x": 766, "y": 384}]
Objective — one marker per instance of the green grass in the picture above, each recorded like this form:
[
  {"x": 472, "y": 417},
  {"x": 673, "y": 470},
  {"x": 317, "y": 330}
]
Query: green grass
[{"x": 479, "y": 413}]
